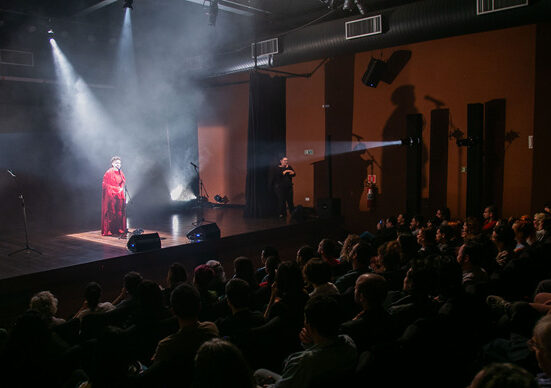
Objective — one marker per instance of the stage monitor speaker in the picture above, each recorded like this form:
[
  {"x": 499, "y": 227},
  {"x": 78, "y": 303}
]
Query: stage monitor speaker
[
  {"x": 204, "y": 232},
  {"x": 374, "y": 73},
  {"x": 328, "y": 207},
  {"x": 144, "y": 242}
]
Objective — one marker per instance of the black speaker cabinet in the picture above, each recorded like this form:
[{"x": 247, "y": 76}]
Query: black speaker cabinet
[
  {"x": 144, "y": 242},
  {"x": 328, "y": 207},
  {"x": 374, "y": 73},
  {"x": 204, "y": 233}
]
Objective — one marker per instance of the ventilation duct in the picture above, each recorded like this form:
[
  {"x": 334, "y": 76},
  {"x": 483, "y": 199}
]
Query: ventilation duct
[
  {"x": 363, "y": 27},
  {"x": 414, "y": 22},
  {"x": 487, "y": 6}
]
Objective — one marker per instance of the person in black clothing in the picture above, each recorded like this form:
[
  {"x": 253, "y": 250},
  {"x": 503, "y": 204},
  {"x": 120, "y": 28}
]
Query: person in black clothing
[{"x": 283, "y": 186}]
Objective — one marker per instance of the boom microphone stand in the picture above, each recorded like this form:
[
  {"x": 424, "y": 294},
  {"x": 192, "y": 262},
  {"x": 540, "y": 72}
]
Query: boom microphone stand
[
  {"x": 203, "y": 196},
  {"x": 27, "y": 246}
]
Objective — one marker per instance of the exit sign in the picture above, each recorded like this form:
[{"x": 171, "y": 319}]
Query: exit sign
[
  {"x": 308, "y": 152},
  {"x": 372, "y": 179}
]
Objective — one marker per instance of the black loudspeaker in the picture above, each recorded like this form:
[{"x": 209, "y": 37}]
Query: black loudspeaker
[
  {"x": 144, "y": 242},
  {"x": 204, "y": 233},
  {"x": 328, "y": 207},
  {"x": 374, "y": 73}
]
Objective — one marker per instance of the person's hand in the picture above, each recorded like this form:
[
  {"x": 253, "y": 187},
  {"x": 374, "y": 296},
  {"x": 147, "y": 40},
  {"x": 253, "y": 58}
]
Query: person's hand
[
  {"x": 274, "y": 292},
  {"x": 305, "y": 336},
  {"x": 502, "y": 258}
]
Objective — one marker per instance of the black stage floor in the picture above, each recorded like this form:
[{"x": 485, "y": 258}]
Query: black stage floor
[{"x": 67, "y": 245}]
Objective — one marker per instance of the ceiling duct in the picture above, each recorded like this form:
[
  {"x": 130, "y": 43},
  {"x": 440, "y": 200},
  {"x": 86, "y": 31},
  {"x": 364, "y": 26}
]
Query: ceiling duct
[
  {"x": 414, "y": 22},
  {"x": 487, "y": 6},
  {"x": 266, "y": 47},
  {"x": 363, "y": 27}
]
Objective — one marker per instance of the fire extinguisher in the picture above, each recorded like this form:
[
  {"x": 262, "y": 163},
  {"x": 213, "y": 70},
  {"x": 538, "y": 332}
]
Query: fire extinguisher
[{"x": 371, "y": 196}]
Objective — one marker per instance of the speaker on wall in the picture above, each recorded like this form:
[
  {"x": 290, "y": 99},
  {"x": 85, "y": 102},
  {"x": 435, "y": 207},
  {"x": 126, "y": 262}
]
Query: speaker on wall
[
  {"x": 374, "y": 73},
  {"x": 144, "y": 242},
  {"x": 204, "y": 233}
]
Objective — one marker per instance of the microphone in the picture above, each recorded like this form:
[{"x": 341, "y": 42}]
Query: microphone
[
  {"x": 193, "y": 164},
  {"x": 11, "y": 173}
]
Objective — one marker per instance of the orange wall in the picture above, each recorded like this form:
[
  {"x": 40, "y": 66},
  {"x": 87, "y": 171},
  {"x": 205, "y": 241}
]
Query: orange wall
[
  {"x": 467, "y": 69},
  {"x": 458, "y": 71},
  {"x": 222, "y": 138},
  {"x": 305, "y": 127}
]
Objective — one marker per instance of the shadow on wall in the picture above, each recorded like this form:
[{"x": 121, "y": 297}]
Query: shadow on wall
[{"x": 393, "y": 166}]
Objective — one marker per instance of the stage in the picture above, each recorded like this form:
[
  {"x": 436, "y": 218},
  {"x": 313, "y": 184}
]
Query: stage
[{"x": 74, "y": 255}]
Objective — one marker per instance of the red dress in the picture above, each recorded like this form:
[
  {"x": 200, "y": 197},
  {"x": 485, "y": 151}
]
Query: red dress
[{"x": 113, "y": 203}]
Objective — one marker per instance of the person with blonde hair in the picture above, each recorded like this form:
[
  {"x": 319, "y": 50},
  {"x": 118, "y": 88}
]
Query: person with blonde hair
[{"x": 45, "y": 303}]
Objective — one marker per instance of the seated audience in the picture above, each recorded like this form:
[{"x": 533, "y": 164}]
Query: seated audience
[
  {"x": 264, "y": 254},
  {"x": 45, "y": 303},
  {"x": 92, "y": 304},
  {"x": 317, "y": 273},
  {"x": 218, "y": 283},
  {"x": 328, "y": 357},
  {"x": 360, "y": 257},
  {"x": 176, "y": 274},
  {"x": 202, "y": 278},
  {"x": 304, "y": 254},
  {"x": 244, "y": 269},
  {"x": 504, "y": 375}
]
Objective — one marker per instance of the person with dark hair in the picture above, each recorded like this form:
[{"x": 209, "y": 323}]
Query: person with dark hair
[
  {"x": 219, "y": 364},
  {"x": 92, "y": 295},
  {"x": 490, "y": 219},
  {"x": 540, "y": 344},
  {"x": 113, "y": 202},
  {"x": 389, "y": 264},
  {"x": 282, "y": 181},
  {"x": 329, "y": 356},
  {"x": 471, "y": 228},
  {"x": 426, "y": 238},
  {"x": 264, "y": 254},
  {"x": 244, "y": 269},
  {"x": 237, "y": 326},
  {"x": 175, "y": 353},
  {"x": 329, "y": 251},
  {"x": 503, "y": 237},
  {"x": 305, "y": 253},
  {"x": 402, "y": 223},
  {"x": 417, "y": 222},
  {"x": 443, "y": 214},
  {"x": 470, "y": 256},
  {"x": 442, "y": 238},
  {"x": 318, "y": 274},
  {"x": 373, "y": 324},
  {"x": 360, "y": 256},
  {"x": 288, "y": 295},
  {"x": 176, "y": 274},
  {"x": 127, "y": 298},
  {"x": 504, "y": 375},
  {"x": 202, "y": 278}
]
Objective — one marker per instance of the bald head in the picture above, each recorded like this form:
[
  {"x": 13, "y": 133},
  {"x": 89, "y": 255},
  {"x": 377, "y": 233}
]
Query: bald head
[{"x": 370, "y": 289}]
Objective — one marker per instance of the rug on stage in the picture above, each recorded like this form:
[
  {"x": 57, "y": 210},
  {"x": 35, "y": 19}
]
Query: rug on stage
[{"x": 167, "y": 240}]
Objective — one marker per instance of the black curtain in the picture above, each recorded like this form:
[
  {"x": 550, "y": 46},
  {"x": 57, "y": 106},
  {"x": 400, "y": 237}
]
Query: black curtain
[{"x": 266, "y": 142}]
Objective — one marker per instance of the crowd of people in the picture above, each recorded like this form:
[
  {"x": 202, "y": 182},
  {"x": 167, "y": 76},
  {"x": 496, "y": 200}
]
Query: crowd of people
[{"x": 413, "y": 302}]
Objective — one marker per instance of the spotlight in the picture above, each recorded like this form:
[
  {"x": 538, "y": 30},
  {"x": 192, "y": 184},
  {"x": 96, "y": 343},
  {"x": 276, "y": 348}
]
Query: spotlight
[
  {"x": 213, "y": 12},
  {"x": 468, "y": 142},
  {"x": 50, "y": 33},
  {"x": 218, "y": 198},
  {"x": 128, "y": 4},
  {"x": 347, "y": 5},
  {"x": 410, "y": 141}
]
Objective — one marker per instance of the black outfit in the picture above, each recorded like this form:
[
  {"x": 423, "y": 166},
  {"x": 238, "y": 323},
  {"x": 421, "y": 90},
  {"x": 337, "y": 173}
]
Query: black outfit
[{"x": 283, "y": 186}]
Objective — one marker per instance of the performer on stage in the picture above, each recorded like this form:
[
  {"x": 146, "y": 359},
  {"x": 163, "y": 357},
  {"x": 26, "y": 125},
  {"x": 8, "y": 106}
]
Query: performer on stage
[
  {"x": 283, "y": 186},
  {"x": 113, "y": 201}
]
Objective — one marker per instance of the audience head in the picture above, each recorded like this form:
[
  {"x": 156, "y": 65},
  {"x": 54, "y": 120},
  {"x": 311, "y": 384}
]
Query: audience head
[
  {"x": 289, "y": 279},
  {"x": 503, "y": 375},
  {"x": 524, "y": 231},
  {"x": 267, "y": 252},
  {"x": 244, "y": 269},
  {"x": 547, "y": 207},
  {"x": 470, "y": 253},
  {"x": 45, "y": 303},
  {"x": 490, "y": 213},
  {"x": 370, "y": 290},
  {"x": 539, "y": 218},
  {"x": 92, "y": 295},
  {"x": 361, "y": 254},
  {"x": 304, "y": 254},
  {"x": 443, "y": 234},
  {"x": 176, "y": 274},
  {"x": 408, "y": 247},
  {"x": 390, "y": 255},
  {"x": 443, "y": 214},
  {"x": 328, "y": 249},
  {"x": 322, "y": 316},
  {"x": 131, "y": 282},
  {"x": 426, "y": 237},
  {"x": 471, "y": 228},
  {"x": 150, "y": 296},
  {"x": 349, "y": 243},
  {"x": 390, "y": 222},
  {"x": 219, "y": 273},
  {"x": 202, "y": 276},
  {"x": 317, "y": 272},
  {"x": 401, "y": 220},
  {"x": 503, "y": 237},
  {"x": 540, "y": 343},
  {"x": 420, "y": 279},
  {"x": 272, "y": 262},
  {"x": 417, "y": 222},
  {"x": 238, "y": 293},
  {"x": 220, "y": 364},
  {"x": 185, "y": 302}
]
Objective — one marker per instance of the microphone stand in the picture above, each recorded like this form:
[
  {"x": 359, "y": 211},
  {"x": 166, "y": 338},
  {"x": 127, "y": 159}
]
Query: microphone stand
[
  {"x": 27, "y": 248},
  {"x": 200, "y": 219}
]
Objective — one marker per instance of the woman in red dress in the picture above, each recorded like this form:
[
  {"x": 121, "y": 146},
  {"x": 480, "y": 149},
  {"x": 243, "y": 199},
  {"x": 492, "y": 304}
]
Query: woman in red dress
[{"x": 113, "y": 201}]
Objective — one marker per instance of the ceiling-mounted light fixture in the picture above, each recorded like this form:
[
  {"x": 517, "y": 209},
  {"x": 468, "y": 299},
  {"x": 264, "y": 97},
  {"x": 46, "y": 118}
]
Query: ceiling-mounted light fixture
[
  {"x": 128, "y": 4},
  {"x": 213, "y": 12}
]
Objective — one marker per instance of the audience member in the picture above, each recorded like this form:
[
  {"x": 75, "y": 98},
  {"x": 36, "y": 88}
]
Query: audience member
[
  {"x": 304, "y": 254},
  {"x": 264, "y": 254},
  {"x": 490, "y": 218},
  {"x": 504, "y": 375},
  {"x": 318, "y": 274},
  {"x": 45, "y": 303},
  {"x": 92, "y": 295}
]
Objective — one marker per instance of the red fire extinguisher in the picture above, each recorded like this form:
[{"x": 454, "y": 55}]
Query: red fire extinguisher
[{"x": 371, "y": 196}]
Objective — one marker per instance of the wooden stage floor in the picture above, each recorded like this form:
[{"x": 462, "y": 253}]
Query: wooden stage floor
[{"x": 64, "y": 246}]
